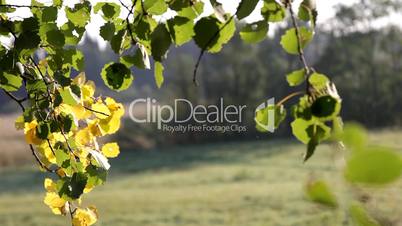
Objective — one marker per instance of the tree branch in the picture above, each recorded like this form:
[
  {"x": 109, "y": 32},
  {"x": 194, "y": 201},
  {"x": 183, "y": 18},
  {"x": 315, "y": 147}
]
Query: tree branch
[
  {"x": 19, "y": 101},
  {"x": 39, "y": 161},
  {"x": 23, "y": 6}
]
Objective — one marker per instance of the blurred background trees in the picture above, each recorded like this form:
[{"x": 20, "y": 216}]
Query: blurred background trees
[{"x": 361, "y": 48}]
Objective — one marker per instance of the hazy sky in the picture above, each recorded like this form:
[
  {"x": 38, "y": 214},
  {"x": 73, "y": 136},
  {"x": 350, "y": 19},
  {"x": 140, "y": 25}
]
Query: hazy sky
[{"x": 325, "y": 9}]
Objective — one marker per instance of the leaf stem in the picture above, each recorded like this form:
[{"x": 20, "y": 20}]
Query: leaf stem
[
  {"x": 95, "y": 111},
  {"x": 288, "y": 97}
]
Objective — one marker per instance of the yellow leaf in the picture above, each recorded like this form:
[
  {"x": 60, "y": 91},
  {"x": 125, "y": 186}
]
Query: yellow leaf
[
  {"x": 45, "y": 150},
  {"x": 111, "y": 124},
  {"x": 88, "y": 91},
  {"x": 83, "y": 136},
  {"x": 102, "y": 108},
  {"x": 95, "y": 128},
  {"x": 49, "y": 185},
  {"x": 56, "y": 137},
  {"x": 80, "y": 79},
  {"x": 30, "y": 133},
  {"x": 61, "y": 172},
  {"x": 88, "y": 188},
  {"x": 84, "y": 217},
  {"x": 52, "y": 199},
  {"x": 80, "y": 112},
  {"x": 111, "y": 150}
]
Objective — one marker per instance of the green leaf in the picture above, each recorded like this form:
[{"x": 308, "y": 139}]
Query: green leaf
[
  {"x": 116, "y": 41},
  {"x": 117, "y": 76},
  {"x": 143, "y": 27},
  {"x": 36, "y": 86},
  {"x": 107, "y": 31},
  {"x": 75, "y": 58},
  {"x": 96, "y": 175},
  {"x": 255, "y": 32},
  {"x": 307, "y": 11},
  {"x": 193, "y": 11},
  {"x": 159, "y": 74},
  {"x": 68, "y": 29},
  {"x": 373, "y": 166},
  {"x": 305, "y": 130},
  {"x": 262, "y": 117},
  {"x": 78, "y": 183},
  {"x": 353, "y": 136},
  {"x": 110, "y": 10},
  {"x": 178, "y": 5},
  {"x": 318, "y": 191},
  {"x": 4, "y": 9},
  {"x": 318, "y": 81},
  {"x": 62, "y": 158},
  {"x": 72, "y": 188},
  {"x": 211, "y": 35},
  {"x": 273, "y": 11},
  {"x": 62, "y": 78},
  {"x": 49, "y": 14},
  {"x": 181, "y": 29},
  {"x": 289, "y": 40},
  {"x": 160, "y": 42},
  {"x": 10, "y": 82},
  {"x": 42, "y": 130},
  {"x": 57, "y": 3},
  {"x": 55, "y": 38},
  {"x": 140, "y": 59},
  {"x": 299, "y": 129},
  {"x": 80, "y": 14},
  {"x": 27, "y": 41},
  {"x": 155, "y": 7},
  {"x": 68, "y": 96},
  {"x": 361, "y": 217},
  {"x": 67, "y": 122},
  {"x": 317, "y": 133},
  {"x": 296, "y": 77},
  {"x": 30, "y": 24},
  {"x": 246, "y": 7},
  {"x": 326, "y": 107}
]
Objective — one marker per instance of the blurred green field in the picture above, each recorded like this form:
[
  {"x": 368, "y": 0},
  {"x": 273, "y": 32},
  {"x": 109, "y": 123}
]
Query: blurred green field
[{"x": 231, "y": 184}]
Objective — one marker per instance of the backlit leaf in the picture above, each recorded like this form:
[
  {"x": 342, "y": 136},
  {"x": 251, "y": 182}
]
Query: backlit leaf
[
  {"x": 159, "y": 74},
  {"x": 117, "y": 76},
  {"x": 289, "y": 40},
  {"x": 373, "y": 166},
  {"x": 246, "y": 7},
  {"x": 255, "y": 32}
]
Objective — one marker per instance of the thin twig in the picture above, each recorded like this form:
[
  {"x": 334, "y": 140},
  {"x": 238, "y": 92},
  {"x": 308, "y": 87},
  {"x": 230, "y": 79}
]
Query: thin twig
[
  {"x": 299, "y": 46},
  {"x": 130, "y": 12},
  {"x": 39, "y": 161},
  {"x": 50, "y": 146},
  {"x": 95, "y": 111}
]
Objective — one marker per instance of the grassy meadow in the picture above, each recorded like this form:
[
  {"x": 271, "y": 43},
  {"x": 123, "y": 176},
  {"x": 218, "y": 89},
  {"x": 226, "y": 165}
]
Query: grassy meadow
[{"x": 231, "y": 184}]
